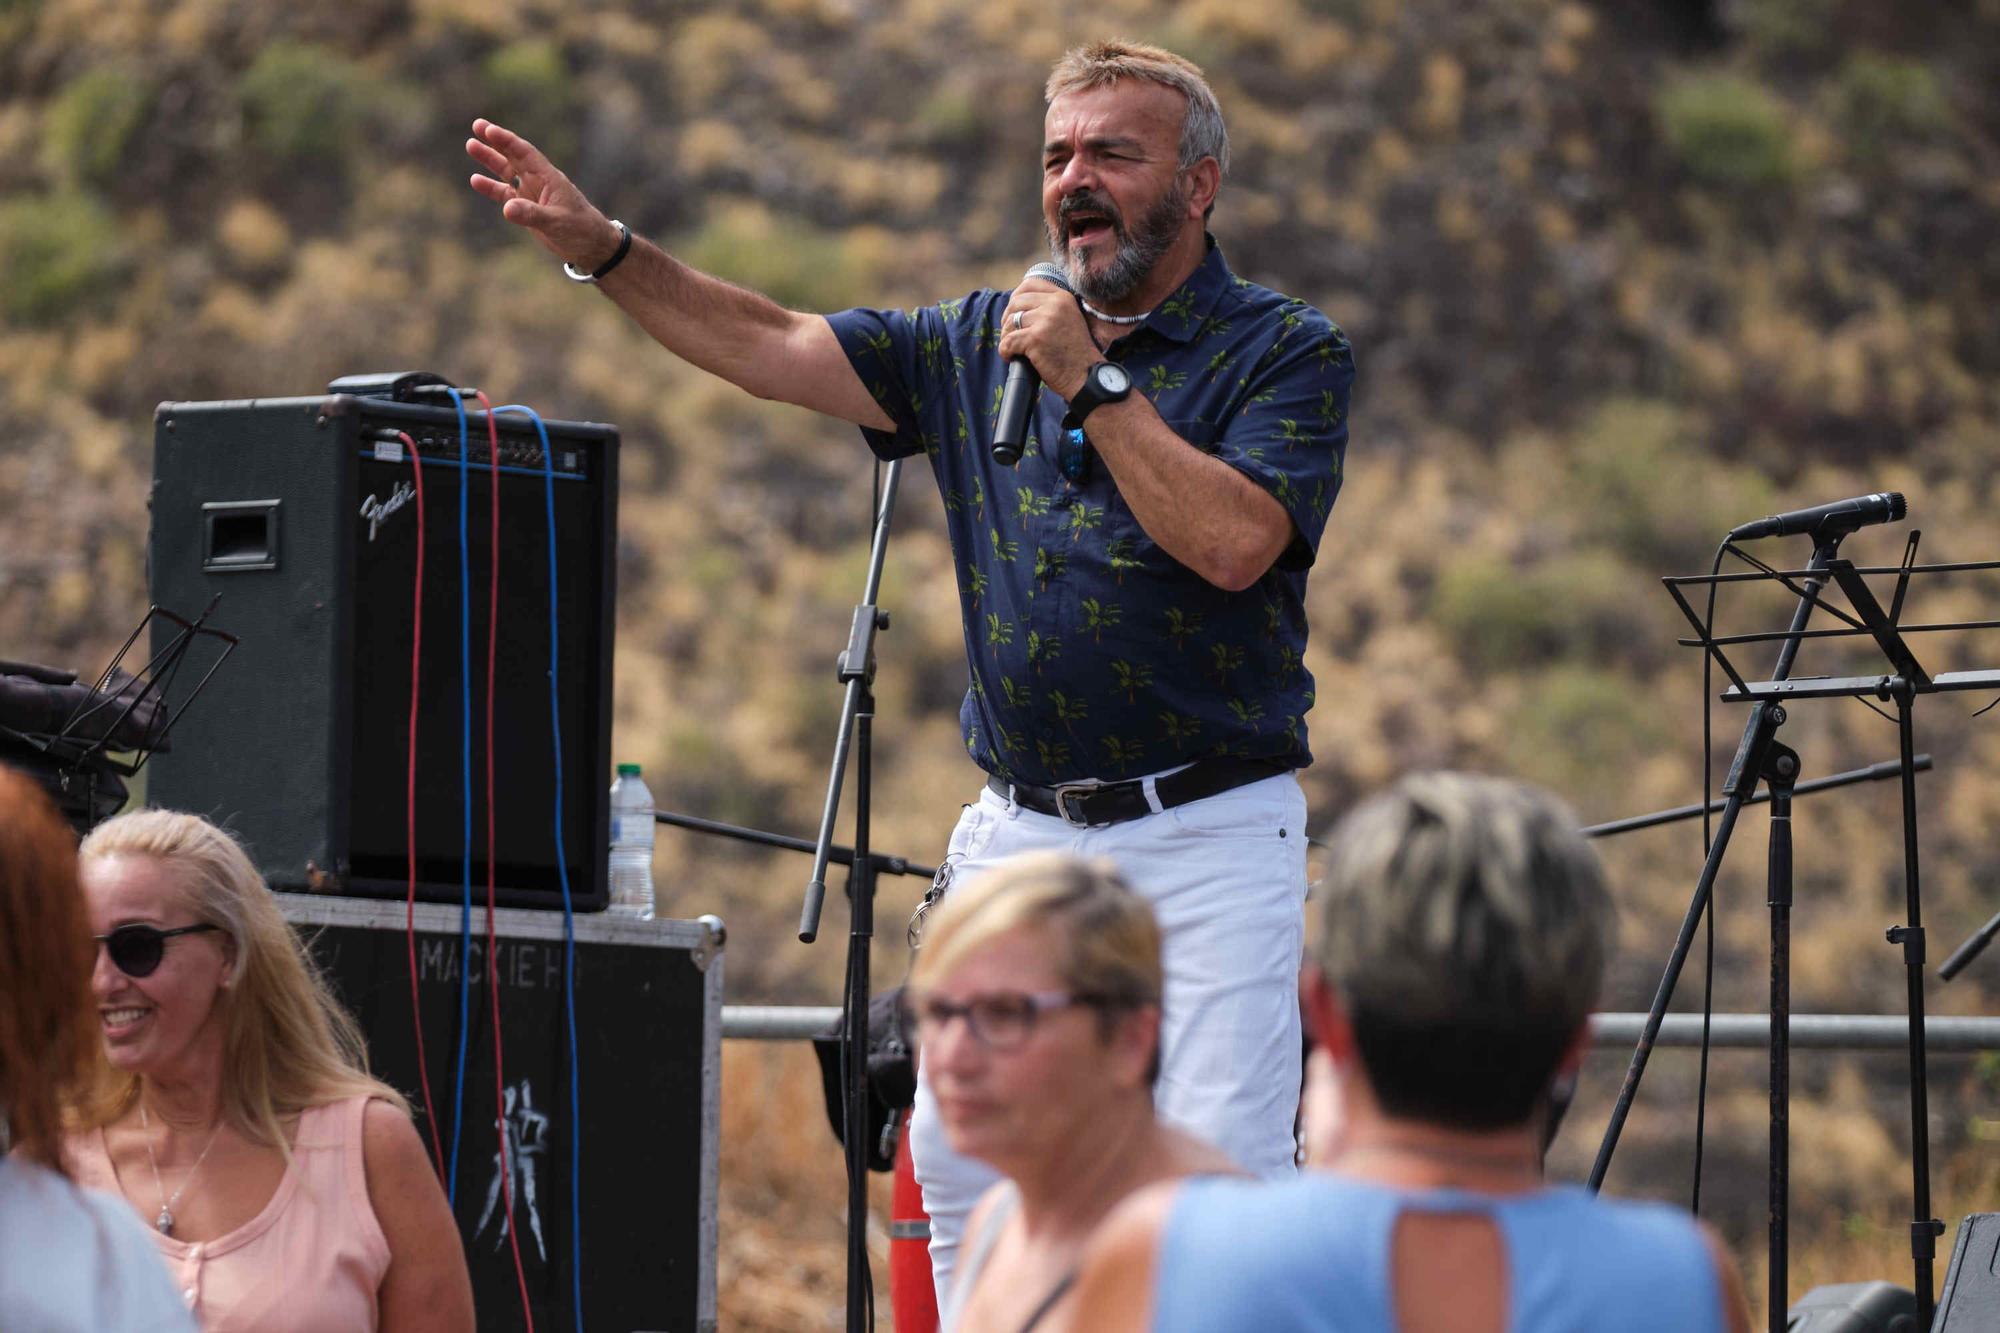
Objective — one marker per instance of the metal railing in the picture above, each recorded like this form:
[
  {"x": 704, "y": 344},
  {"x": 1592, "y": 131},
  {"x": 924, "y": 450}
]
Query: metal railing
[{"x": 1834, "y": 1032}]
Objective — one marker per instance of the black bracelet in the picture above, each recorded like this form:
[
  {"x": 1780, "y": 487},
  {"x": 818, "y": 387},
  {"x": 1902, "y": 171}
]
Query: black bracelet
[{"x": 617, "y": 257}]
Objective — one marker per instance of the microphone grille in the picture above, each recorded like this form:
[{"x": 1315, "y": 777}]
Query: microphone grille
[
  {"x": 1048, "y": 272},
  {"x": 1899, "y": 508}
]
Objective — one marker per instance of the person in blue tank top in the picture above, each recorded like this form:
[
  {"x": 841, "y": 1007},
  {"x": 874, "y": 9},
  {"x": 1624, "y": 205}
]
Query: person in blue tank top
[{"x": 1464, "y": 931}]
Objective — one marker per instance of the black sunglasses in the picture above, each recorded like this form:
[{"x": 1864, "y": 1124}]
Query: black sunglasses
[{"x": 136, "y": 948}]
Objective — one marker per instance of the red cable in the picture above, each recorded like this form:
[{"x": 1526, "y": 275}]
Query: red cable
[
  {"x": 410, "y": 804},
  {"x": 492, "y": 966}
]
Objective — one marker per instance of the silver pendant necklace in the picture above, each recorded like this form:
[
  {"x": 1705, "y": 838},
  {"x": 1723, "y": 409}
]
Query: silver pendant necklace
[{"x": 164, "y": 1223}]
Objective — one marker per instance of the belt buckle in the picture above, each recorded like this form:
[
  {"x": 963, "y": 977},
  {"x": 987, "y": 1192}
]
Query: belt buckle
[{"x": 1063, "y": 791}]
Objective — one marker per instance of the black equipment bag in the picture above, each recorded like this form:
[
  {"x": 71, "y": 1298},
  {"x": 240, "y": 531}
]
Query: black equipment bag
[{"x": 892, "y": 1078}]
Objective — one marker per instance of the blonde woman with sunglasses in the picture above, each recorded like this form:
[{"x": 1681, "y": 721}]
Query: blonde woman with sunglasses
[{"x": 286, "y": 1189}]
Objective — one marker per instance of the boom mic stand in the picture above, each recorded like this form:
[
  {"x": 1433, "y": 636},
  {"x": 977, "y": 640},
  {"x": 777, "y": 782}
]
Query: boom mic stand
[
  {"x": 1881, "y": 772},
  {"x": 1970, "y": 950},
  {"x": 856, "y": 670}
]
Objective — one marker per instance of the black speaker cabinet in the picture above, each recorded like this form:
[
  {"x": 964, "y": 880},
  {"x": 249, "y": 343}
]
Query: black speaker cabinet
[
  {"x": 301, "y": 516},
  {"x": 644, "y": 1131}
]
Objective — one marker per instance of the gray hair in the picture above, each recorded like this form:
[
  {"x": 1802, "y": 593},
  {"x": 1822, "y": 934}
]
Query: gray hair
[
  {"x": 1464, "y": 921},
  {"x": 1099, "y": 63}
]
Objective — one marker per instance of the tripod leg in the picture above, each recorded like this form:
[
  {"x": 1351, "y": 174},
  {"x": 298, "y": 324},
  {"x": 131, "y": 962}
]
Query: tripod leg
[
  {"x": 1753, "y": 758},
  {"x": 1664, "y": 995}
]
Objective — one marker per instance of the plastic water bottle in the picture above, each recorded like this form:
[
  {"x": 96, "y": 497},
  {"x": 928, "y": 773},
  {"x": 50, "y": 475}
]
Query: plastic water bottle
[{"x": 631, "y": 844}]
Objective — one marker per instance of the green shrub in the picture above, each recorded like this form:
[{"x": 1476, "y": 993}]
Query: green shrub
[
  {"x": 1585, "y": 606},
  {"x": 1489, "y": 611},
  {"x": 1879, "y": 101},
  {"x": 790, "y": 261},
  {"x": 1642, "y": 485},
  {"x": 1579, "y": 729},
  {"x": 952, "y": 114},
  {"x": 1727, "y": 131},
  {"x": 302, "y": 103},
  {"x": 91, "y": 122},
  {"x": 56, "y": 252},
  {"x": 1804, "y": 28},
  {"x": 533, "y": 93}
]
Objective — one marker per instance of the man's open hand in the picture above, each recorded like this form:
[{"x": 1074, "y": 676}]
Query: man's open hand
[{"x": 533, "y": 194}]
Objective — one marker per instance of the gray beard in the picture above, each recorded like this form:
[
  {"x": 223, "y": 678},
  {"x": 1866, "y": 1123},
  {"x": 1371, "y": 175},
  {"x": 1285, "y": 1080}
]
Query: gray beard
[{"x": 1138, "y": 251}]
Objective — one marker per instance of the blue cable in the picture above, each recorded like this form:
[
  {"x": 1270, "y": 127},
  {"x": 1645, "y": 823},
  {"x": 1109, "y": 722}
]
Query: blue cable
[
  {"x": 562, "y": 874},
  {"x": 465, "y": 731}
]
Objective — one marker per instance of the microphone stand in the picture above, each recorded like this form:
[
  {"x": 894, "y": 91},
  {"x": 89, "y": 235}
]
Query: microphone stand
[
  {"x": 883, "y": 864},
  {"x": 1759, "y": 758},
  {"x": 855, "y": 669}
]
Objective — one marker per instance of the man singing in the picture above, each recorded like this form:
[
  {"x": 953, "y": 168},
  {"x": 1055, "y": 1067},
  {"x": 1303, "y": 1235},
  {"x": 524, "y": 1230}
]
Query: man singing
[{"x": 1133, "y": 588}]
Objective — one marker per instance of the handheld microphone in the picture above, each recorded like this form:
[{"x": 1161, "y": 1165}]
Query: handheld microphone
[
  {"x": 1024, "y": 385},
  {"x": 1828, "y": 522}
]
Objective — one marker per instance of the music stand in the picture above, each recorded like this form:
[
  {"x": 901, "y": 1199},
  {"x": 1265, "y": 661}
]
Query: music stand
[
  {"x": 68, "y": 735},
  {"x": 1760, "y": 757}
]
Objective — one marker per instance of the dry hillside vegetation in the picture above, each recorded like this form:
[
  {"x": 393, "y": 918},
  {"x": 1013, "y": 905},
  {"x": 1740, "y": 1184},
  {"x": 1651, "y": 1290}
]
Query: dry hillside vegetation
[{"x": 1618, "y": 276}]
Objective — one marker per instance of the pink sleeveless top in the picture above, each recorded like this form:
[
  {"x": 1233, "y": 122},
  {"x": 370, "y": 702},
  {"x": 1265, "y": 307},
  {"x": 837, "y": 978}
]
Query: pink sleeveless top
[{"x": 311, "y": 1262}]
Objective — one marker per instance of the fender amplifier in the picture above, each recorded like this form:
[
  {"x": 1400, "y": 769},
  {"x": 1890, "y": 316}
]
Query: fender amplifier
[{"x": 299, "y": 518}]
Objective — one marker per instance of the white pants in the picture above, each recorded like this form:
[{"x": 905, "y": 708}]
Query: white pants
[{"x": 1226, "y": 877}]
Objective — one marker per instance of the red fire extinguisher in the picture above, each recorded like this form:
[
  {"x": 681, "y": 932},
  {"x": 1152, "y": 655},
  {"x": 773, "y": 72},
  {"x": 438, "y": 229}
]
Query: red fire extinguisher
[{"x": 912, "y": 1298}]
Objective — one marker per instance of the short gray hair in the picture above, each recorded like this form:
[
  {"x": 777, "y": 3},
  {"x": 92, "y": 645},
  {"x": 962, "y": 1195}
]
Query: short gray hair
[
  {"x": 1099, "y": 63},
  {"x": 1470, "y": 909}
]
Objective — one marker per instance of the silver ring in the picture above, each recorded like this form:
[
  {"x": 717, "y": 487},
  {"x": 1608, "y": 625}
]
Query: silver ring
[{"x": 1020, "y": 316}]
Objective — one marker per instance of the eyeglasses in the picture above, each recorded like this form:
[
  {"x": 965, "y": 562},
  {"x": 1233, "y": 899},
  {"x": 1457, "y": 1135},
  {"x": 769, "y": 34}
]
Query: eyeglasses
[
  {"x": 136, "y": 948},
  {"x": 999, "y": 1020}
]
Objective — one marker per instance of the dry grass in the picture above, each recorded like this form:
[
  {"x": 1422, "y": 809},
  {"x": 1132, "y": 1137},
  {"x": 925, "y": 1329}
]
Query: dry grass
[{"x": 783, "y": 1249}]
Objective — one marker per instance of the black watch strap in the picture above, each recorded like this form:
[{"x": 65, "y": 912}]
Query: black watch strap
[{"x": 1105, "y": 382}]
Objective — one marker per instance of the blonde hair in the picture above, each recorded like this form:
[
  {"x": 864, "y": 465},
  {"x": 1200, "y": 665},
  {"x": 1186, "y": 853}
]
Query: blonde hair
[
  {"x": 287, "y": 1043},
  {"x": 1106, "y": 940},
  {"x": 1100, "y": 63},
  {"x": 47, "y": 1037}
]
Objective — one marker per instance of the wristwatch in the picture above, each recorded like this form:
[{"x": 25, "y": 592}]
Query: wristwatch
[{"x": 1105, "y": 382}]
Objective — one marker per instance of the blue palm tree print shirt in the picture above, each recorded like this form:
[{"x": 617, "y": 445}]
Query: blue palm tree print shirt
[{"x": 1093, "y": 653}]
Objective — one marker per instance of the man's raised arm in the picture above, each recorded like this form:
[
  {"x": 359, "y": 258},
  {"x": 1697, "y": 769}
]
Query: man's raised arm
[{"x": 729, "y": 331}]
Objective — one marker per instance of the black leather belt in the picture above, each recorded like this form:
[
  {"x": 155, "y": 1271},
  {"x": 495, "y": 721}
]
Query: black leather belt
[{"x": 1094, "y": 804}]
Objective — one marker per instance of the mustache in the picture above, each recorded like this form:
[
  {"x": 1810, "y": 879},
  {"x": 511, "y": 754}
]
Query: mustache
[{"x": 1089, "y": 201}]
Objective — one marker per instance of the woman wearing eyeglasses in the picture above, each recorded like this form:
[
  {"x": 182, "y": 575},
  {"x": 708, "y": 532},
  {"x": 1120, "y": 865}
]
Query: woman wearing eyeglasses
[
  {"x": 1034, "y": 1006},
  {"x": 287, "y": 1189}
]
